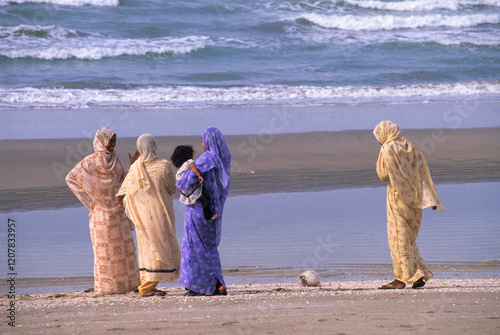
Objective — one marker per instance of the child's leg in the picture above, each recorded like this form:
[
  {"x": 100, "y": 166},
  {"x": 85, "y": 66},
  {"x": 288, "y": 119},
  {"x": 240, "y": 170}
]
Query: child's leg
[{"x": 205, "y": 203}]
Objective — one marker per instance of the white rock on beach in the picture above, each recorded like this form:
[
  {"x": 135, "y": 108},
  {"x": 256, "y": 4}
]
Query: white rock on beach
[{"x": 309, "y": 278}]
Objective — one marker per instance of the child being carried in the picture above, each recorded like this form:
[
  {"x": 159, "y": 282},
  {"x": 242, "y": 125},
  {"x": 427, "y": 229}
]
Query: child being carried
[{"x": 182, "y": 158}]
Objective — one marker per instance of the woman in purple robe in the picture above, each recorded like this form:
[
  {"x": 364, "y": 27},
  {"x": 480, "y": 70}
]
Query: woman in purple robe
[{"x": 201, "y": 271}]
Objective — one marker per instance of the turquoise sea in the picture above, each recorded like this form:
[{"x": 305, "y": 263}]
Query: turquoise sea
[{"x": 153, "y": 53}]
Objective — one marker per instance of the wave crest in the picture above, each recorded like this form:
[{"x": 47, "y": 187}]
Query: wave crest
[
  {"x": 422, "y": 5},
  {"x": 180, "y": 96},
  {"x": 27, "y": 31},
  {"x": 75, "y": 3},
  {"x": 53, "y": 42},
  {"x": 393, "y": 22}
]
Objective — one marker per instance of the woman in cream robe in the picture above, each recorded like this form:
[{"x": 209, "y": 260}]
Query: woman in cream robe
[
  {"x": 95, "y": 181},
  {"x": 146, "y": 194},
  {"x": 409, "y": 189}
]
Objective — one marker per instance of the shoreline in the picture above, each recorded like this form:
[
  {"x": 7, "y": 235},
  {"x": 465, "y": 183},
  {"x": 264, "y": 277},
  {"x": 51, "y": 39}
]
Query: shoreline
[
  {"x": 33, "y": 171},
  {"x": 60, "y": 123},
  {"x": 265, "y": 275},
  {"x": 443, "y": 306}
]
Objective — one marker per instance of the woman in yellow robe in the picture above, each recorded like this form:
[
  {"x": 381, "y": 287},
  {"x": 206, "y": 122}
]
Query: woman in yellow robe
[
  {"x": 409, "y": 189},
  {"x": 146, "y": 194},
  {"x": 94, "y": 181}
]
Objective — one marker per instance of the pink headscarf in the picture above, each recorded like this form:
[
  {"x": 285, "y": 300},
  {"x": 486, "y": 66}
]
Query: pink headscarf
[
  {"x": 106, "y": 160},
  {"x": 99, "y": 171}
]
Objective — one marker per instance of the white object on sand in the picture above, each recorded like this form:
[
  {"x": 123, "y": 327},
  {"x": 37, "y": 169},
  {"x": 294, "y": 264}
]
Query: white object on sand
[{"x": 309, "y": 278}]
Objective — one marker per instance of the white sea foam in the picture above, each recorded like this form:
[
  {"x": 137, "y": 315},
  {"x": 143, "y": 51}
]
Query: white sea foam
[
  {"x": 178, "y": 96},
  {"x": 393, "y": 22},
  {"x": 300, "y": 6},
  {"x": 486, "y": 40},
  {"x": 479, "y": 38},
  {"x": 54, "y": 42},
  {"x": 76, "y": 3},
  {"x": 98, "y": 49},
  {"x": 23, "y": 32},
  {"x": 423, "y": 5}
]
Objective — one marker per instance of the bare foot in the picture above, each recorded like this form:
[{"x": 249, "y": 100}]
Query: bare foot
[{"x": 215, "y": 216}]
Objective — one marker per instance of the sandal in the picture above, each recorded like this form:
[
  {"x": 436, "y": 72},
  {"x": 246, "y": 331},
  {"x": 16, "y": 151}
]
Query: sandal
[
  {"x": 393, "y": 285},
  {"x": 419, "y": 283},
  {"x": 193, "y": 293},
  {"x": 220, "y": 291},
  {"x": 153, "y": 293}
]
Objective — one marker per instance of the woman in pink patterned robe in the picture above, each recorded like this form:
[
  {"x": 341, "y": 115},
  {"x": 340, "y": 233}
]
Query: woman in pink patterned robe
[{"x": 95, "y": 181}]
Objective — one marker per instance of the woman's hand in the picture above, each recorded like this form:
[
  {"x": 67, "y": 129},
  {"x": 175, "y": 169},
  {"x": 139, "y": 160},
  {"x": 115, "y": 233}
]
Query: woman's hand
[
  {"x": 133, "y": 158},
  {"x": 119, "y": 199},
  {"x": 200, "y": 179}
]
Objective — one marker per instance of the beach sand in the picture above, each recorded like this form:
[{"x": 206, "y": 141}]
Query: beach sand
[
  {"x": 33, "y": 174},
  {"x": 461, "y": 306},
  {"x": 33, "y": 171}
]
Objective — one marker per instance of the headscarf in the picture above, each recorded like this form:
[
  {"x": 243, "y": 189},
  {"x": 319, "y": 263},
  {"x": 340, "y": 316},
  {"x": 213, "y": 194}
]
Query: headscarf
[
  {"x": 106, "y": 159},
  {"x": 215, "y": 143},
  {"x": 386, "y": 131},
  {"x": 102, "y": 169},
  {"x": 146, "y": 144},
  {"x": 403, "y": 166}
]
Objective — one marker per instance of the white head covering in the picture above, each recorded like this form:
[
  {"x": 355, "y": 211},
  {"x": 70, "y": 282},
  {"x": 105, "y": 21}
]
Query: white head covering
[{"x": 146, "y": 144}]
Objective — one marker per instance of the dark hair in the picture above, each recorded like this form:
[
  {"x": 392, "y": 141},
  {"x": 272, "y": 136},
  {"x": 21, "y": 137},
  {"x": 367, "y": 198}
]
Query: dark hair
[{"x": 181, "y": 154}]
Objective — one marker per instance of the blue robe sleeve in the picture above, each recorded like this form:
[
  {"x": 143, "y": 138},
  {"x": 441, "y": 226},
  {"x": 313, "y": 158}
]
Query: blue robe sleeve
[{"x": 204, "y": 163}]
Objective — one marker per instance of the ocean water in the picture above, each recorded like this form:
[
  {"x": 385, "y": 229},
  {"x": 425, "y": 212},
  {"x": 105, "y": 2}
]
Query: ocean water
[
  {"x": 174, "y": 54},
  {"x": 308, "y": 230}
]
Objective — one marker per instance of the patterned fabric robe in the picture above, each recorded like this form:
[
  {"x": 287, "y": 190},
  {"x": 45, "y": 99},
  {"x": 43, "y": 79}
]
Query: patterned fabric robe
[
  {"x": 409, "y": 189},
  {"x": 95, "y": 181},
  {"x": 200, "y": 262}
]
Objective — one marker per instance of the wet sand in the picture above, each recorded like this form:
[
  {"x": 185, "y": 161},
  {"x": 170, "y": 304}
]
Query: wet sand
[{"x": 33, "y": 171}]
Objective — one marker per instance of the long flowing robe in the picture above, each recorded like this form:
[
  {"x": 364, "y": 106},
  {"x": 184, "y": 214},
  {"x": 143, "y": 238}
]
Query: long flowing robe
[
  {"x": 148, "y": 189},
  {"x": 95, "y": 181},
  {"x": 200, "y": 261},
  {"x": 409, "y": 189}
]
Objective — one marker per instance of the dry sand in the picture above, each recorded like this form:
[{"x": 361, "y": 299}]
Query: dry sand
[
  {"x": 33, "y": 171},
  {"x": 466, "y": 306}
]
